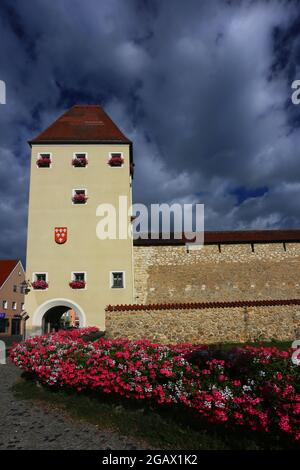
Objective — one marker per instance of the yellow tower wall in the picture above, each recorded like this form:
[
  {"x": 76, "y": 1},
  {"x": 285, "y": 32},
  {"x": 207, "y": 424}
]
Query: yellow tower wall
[{"x": 50, "y": 206}]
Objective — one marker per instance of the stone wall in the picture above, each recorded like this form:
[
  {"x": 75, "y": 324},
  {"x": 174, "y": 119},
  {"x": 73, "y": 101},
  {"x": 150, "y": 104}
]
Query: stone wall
[
  {"x": 217, "y": 272},
  {"x": 207, "y": 325}
]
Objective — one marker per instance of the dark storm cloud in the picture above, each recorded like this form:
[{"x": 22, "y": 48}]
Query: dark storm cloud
[{"x": 202, "y": 88}]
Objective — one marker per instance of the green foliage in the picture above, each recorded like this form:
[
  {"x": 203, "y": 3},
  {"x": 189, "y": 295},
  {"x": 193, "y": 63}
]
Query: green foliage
[{"x": 158, "y": 428}]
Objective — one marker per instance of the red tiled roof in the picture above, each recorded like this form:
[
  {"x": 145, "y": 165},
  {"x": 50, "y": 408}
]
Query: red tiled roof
[
  {"x": 239, "y": 236},
  {"x": 249, "y": 236},
  {"x": 6, "y": 267},
  {"x": 82, "y": 123},
  {"x": 202, "y": 305}
]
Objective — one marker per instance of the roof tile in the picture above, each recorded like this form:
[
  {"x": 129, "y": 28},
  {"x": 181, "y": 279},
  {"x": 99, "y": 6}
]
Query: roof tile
[
  {"x": 82, "y": 123},
  {"x": 238, "y": 236},
  {"x": 6, "y": 267}
]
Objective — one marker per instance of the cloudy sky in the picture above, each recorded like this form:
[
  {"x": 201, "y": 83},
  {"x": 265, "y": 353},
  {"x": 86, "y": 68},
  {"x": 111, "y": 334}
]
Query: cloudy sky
[{"x": 203, "y": 88}]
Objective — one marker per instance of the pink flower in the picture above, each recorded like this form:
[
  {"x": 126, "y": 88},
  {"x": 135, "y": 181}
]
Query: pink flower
[
  {"x": 238, "y": 390},
  {"x": 221, "y": 378}
]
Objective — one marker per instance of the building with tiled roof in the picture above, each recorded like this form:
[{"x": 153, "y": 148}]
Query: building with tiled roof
[
  {"x": 12, "y": 277},
  {"x": 83, "y": 160},
  {"x": 82, "y": 123},
  {"x": 80, "y": 161}
]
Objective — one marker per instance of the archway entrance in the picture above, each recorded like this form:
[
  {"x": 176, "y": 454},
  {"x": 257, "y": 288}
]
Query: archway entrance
[
  {"x": 60, "y": 317},
  {"x": 55, "y": 314}
]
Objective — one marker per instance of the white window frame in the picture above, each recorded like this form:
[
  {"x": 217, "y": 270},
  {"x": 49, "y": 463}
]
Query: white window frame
[
  {"x": 39, "y": 272},
  {"x": 14, "y": 305},
  {"x": 122, "y": 155},
  {"x": 86, "y": 156},
  {"x": 73, "y": 194},
  {"x": 111, "y": 278},
  {"x": 5, "y": 304},
  {"x": 51, "y": 158},
  {"x": 22, "y": 306},
  {"x": 34, "y": 279},
  {"x": 79, "y": 272}
]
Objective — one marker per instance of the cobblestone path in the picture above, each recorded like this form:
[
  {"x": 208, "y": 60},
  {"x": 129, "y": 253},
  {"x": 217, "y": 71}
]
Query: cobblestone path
[{"x": 25, "y": 425}]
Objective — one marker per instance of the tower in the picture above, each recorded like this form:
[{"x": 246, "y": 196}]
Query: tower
[{"x": 80, "y": 161}]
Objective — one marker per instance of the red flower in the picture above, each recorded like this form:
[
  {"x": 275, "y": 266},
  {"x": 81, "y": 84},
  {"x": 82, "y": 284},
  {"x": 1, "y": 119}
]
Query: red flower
[
  {"x": 79, "y": 198},
  {"x": 221, "y": 378},
  {"x": 43, "y": 162},
  {"x": 116, "y": 160},
  {"x": 237, "y": 390},
  {"x": 79, "y": 162},
  {"x": 40, "y": 285},
  {"x": 77, "y": 284}
]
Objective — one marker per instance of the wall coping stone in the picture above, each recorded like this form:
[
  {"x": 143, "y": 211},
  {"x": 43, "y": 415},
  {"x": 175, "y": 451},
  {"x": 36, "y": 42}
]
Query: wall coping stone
[
  {"x": 223, "y": 237},
  {"x": 201, "y": 305}
]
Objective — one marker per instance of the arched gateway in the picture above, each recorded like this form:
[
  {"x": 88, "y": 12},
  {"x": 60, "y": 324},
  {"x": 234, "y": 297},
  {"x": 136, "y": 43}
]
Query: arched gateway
[{"x": 47, "y": 316}]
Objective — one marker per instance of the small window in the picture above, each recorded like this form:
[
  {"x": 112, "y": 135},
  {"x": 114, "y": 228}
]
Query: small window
[
  {"x": 44, "y": 160},
  {"x": 40, "y": 276},
  {"x": 40, "y": 281},
  {"x": 79, "y": 196},
  {"x": 4, "y": 304},
  {"x": 4, "y": 325},
  {"x": 79, "y": 160},
  {"x": 14, "y": 288},
  {"x": 78, "y": 276},
  {"x": 22, "y": 306},
  {"x": 15, "y": 326},
  {"x": 117, "y": 280},
  {"x": 116, "y": 159},
  {"x": 14, "y": 305},
  {"x": 78, "y": 280}
]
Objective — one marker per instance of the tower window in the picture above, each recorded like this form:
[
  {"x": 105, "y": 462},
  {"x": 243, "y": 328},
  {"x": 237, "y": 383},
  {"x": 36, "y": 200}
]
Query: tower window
[
  {"x": 78, "y": 276},
  {"x": 80, "y": 160},
  {"x": 40, "y": 281},
  {"x": 44, "y": 160},
  {"x": 116, "y": 159},
  {"x": 79, "y": 196},
  {"x": 78, "y": 280},
  {"x": 40, "y": 276},
  {"x": 117, "y": 280}
]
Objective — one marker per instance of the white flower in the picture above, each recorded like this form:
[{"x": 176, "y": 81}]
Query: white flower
[
  {"x": 226, "y": 393},
  {"x": 207, "y": 404}
]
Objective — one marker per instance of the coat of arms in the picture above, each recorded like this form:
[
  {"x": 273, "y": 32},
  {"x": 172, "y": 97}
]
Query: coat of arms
[{"x": 60, "y": 235}]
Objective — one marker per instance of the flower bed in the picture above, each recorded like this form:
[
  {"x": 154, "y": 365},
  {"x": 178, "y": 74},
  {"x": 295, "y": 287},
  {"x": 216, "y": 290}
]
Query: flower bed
[{"x": 256, "y": 388}]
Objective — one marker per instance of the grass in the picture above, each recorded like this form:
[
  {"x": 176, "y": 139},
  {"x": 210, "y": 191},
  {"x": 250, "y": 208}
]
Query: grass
[{"x": 155, "y": 428}]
